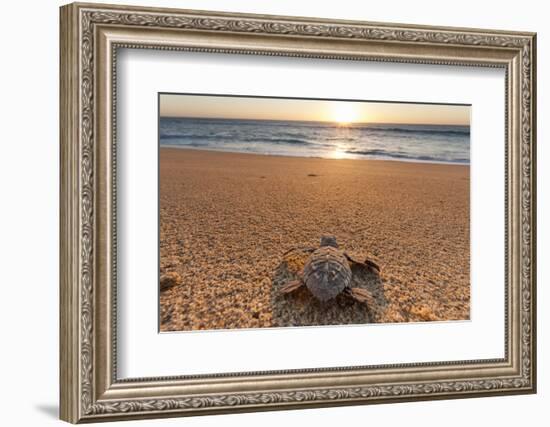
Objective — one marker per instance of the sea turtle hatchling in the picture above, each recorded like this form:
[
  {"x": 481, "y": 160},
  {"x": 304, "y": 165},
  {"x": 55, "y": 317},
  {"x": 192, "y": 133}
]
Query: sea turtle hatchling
[{"x": 327, "y": 273}]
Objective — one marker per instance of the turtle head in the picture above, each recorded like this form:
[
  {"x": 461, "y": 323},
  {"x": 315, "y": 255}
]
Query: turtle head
[{"x": 329, "y": 241}]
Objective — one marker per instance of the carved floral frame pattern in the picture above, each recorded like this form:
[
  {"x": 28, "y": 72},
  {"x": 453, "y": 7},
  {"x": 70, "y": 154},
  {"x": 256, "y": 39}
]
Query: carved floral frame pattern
[{"x": 83, "y": 405}]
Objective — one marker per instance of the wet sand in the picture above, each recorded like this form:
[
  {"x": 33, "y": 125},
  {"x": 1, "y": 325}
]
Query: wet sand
[{"x": 226, "y": 219}]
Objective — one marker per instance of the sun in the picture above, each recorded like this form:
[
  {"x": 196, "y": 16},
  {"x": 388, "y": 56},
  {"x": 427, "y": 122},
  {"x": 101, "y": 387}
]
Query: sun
[{"x": 344, "y": 113}]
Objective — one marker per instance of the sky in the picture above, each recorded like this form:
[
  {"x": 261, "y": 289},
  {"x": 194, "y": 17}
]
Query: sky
[{"x": 341, "y": 112}]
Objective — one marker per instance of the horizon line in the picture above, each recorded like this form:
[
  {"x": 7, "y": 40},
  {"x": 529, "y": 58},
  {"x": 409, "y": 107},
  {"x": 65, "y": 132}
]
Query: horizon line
[{"x": 313, "y": 121}]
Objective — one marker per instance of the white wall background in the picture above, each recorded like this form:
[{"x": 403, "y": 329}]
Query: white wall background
[{"x": 29, "y": 171}]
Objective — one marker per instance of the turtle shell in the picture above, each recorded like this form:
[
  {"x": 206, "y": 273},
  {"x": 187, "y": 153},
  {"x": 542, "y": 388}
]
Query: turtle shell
[{"x": 327, "y": 273}]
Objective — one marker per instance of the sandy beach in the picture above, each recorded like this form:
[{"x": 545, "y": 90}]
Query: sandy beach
[{"x": 226, "y": 219}]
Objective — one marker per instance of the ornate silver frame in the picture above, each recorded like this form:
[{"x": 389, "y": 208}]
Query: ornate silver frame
[{"x": 90, "y": 36}]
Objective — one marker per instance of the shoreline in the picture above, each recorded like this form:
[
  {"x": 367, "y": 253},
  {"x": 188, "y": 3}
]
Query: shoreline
[{"x": 358, "y": 157}]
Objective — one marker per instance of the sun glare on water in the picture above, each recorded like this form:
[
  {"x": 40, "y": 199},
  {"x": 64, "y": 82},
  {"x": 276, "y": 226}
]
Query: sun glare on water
[{"x": 338, "y": 153}]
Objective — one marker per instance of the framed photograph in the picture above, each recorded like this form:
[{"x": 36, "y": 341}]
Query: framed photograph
[{"x": 266, "y": 212}]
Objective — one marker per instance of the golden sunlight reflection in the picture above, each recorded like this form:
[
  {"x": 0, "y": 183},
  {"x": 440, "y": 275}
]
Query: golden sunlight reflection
[{"x": 338, "y": 153}]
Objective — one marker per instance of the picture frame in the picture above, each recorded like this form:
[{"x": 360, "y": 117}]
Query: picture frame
[{"x": 91, "y": 37}]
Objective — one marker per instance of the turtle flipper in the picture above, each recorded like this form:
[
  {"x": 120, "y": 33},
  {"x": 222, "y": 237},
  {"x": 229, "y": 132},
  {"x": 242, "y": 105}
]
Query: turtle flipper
[
  {"x": 291, "y": 286},
  {"x": 300, "y": 248},
  {"x": 371, "y": 266},
  {"x": 363, "y": 296}
]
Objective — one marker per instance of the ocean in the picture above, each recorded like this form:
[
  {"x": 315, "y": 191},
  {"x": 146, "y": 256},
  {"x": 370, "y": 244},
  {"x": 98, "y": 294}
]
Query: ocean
[{"x": 413, "y": 143}]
